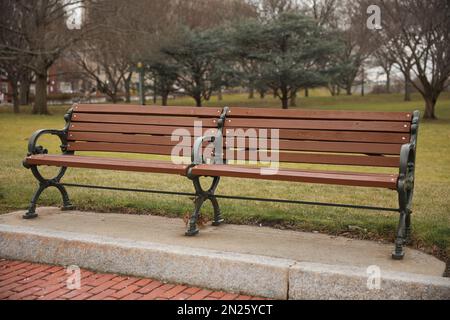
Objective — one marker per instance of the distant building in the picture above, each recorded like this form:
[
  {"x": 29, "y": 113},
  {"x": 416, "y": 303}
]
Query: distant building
[
  {"x": 64, "y": 76},
  {"x": 5, "y": 90}
]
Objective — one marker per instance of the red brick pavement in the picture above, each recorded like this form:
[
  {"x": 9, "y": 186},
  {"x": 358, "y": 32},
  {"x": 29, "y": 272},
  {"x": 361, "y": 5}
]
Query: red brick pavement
[{"x": 21, "y": 280}]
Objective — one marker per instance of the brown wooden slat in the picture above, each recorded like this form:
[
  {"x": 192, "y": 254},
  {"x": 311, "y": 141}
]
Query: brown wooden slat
[
  {"x": 128, "y": 138},
  {"x": 313, "y": 135},
  {"x": 122, "y": 147},
  {"x": 107, "y": 163},
  {"x": 321, "y": 146},
  {"x": 389, "y": 175},
  {"x": 142, "y": 119},
  {"x": 318, "y": 114},
  {"x": 316, "y": 135},
  {"x": 149, "y": 110},
  {"x": 366, "y": 148},
  {"x": 383, "y": 126},
  {"x": 373, "y": 161},
  {"x": 343, "y": 178},
  {"x": 143, "y": 129},
  {"x": 334, "y": 159}
]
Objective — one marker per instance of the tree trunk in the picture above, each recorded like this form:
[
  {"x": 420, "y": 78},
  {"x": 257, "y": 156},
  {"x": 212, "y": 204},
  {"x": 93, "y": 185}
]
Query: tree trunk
[
  {"x": 251, "y": 92},
  {"x": 306, "y": 92},
  {"x": 407, "y": 92},
  {"x": 113, "y": 97},
  {"x": 15, "y": 97},
  {"x": 430, "y": 104},
  {"x": 332, "y": 89},
  {"x": 293, "y": 99},
  {"x": 112, "y": 94},
  {"x": 219, "y": 94},
  {"x": 363, "y": 82},
  {"x": 127, "y": 87},
  {"x": 40, "y": 103},
  {"x": 348, "y": 89},
  {"x": 285, "y": 102},
  {"x": 127, "y": 93},
  {"x": 284, "y": 94},
  {"x": 388, "y": 82},
  {"x": 24, "y": 91},
  {"x": 407, "y": 86},
  {"x": 262, "y": 94},
  {"x": 198, "y": 100},
  {"x": 164, "y": 97}
]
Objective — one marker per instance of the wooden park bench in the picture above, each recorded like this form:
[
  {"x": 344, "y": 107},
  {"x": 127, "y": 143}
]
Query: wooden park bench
[{"x": 350, "y": 138}]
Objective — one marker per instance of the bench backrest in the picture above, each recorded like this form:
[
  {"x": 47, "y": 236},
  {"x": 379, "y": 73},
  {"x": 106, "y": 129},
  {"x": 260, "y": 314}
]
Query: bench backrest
[
  {"x": 305, "y": 136},
  {"x": 327, "y": 137},
  {"x": 135, "y": 129}
]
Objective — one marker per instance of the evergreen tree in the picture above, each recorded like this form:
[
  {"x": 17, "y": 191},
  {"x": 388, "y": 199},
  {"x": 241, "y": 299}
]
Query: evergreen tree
[{"x": 292, "y": 52}]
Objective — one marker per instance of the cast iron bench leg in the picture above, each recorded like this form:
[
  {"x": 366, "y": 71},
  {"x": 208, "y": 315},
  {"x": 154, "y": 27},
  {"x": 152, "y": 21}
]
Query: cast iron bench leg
[
  {"x": 200, "y": 197},
  {"x": 405, "y": 193},
  {"x": 399, "y": 253},
  {"x": 408, "y": 227},
  {"x": 44, "y": 184}
]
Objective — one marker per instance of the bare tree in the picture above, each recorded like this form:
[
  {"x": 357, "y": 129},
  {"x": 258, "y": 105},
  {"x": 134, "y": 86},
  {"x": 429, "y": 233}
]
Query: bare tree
[
  {"x": 357, "y": 45},
  {"x": 125, "y": 33},
  {"x": 203, "y": 14},
  {"x": 104, "y": 55},
  {"x": 42, "y": 26},
  {"x": 270, "y": 9},
  {"x": 13, "y": 75},
  {"x": 383, "y": 59},
  {"x": 26, "y": 78},
  {"x": 417, "y": 34},
  {"x": 11, "y": 60},
  {"x": 100, "y": 63},
  {"x": 323, "y": 11}
]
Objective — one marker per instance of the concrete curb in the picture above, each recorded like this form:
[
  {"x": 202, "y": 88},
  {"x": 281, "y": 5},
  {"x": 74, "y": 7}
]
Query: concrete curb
[
  {"x": 319, "y": 281},
  {"x": 234, "y": 272},
  {"x": 249, "y": 274}
]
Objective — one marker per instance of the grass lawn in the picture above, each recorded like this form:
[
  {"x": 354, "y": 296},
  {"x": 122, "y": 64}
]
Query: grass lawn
[{"x": 431, "y": 216}]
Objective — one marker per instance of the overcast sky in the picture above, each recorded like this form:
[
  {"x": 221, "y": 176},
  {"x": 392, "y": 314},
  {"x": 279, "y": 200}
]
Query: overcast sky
[{"x": 74, "y": 16}]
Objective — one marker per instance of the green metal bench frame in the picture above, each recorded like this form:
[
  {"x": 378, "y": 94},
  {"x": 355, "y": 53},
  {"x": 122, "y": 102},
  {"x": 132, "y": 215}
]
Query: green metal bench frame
[{"x": 405, "y": 183}]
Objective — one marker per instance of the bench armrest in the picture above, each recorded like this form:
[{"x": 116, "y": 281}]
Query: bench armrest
[
  {"x": 408, "y": 156},
  {"x": 33, "y": 148},
  {"x": 407, "y": 164},
  {"x": 197, "y": 156}
]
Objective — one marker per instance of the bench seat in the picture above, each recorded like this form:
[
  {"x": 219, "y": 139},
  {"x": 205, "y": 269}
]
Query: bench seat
[
  {"x": 77, "y": 161},
  {"x": 308, "y": 176}
]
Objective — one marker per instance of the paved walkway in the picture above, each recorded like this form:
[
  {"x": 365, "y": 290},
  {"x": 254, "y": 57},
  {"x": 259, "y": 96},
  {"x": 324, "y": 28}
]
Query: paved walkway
[{"x": 31, "y": 281}]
